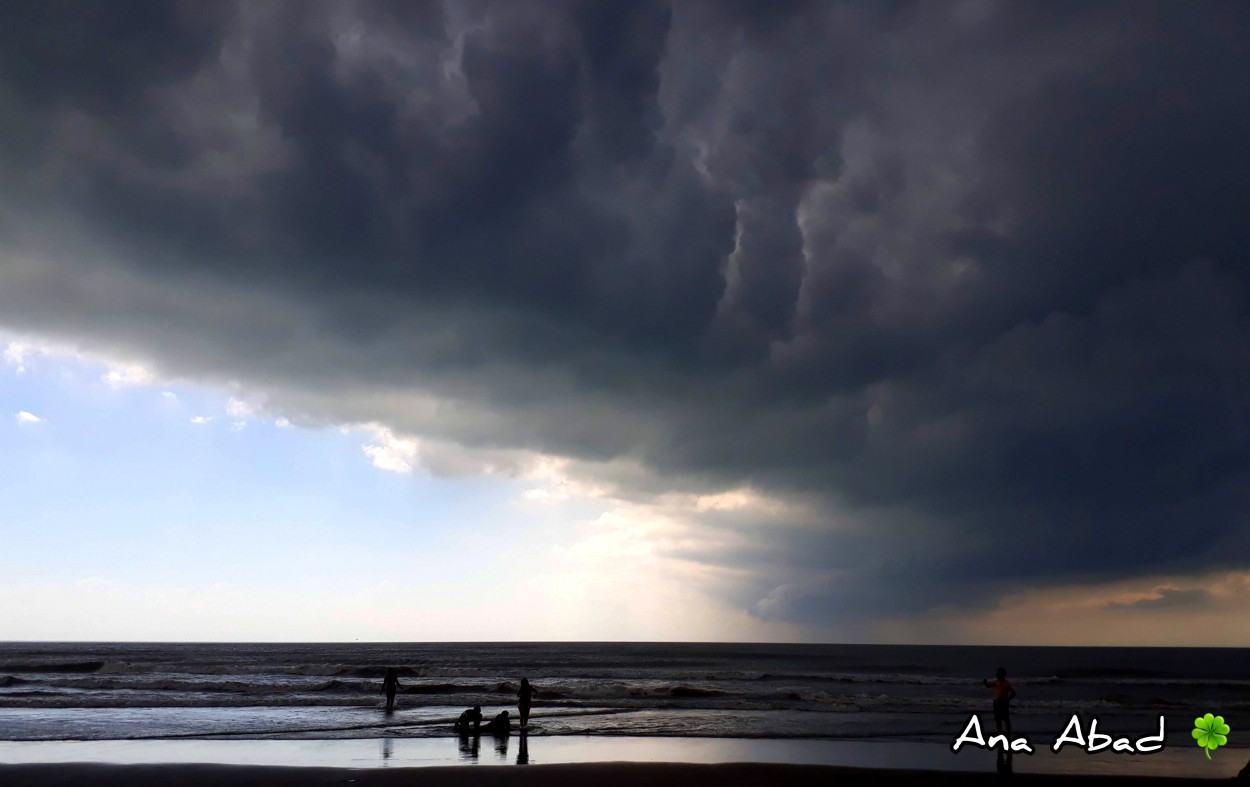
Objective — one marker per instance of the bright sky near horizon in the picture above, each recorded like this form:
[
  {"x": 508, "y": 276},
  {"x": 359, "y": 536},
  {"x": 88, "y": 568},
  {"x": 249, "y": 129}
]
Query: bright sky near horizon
[
  {"x": 151, "y": 510},
  {"x": 141, "y": 509}
]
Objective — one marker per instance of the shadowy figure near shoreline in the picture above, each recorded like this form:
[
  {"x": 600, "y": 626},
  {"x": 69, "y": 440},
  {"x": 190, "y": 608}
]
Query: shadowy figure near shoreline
[
  {"x": 390, "y": 684},
  {"x": 470, "y": 721},
  {"x": 499, "y": 726},
  {"x": 1004, "y": 693},
  {"x": 525, "y": 698}
]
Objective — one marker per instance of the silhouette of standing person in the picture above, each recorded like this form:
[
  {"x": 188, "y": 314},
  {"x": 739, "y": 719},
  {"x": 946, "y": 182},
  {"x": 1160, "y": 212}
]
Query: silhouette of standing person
[
  {"x": 390, "y": 684},
  {"x": 1004, "y": 693},
  {"x": 526, "y": 698}
]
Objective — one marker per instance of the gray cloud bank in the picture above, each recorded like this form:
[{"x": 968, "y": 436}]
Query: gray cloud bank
[{"x": 970, "y": 276}]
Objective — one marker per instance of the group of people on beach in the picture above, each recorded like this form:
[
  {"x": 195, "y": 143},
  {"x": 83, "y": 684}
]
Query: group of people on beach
[{"x": 470, "y": 721}]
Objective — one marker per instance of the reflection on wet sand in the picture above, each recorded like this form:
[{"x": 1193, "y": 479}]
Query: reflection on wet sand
[
  {"x": 1003, "y": 764},
  {"x": 469, "y": 745},
  {"x": 523, "y": 756},
  {"x": 470, "y": 748}
]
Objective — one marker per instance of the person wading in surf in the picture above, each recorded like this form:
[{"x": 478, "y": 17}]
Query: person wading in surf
[{"x": 390, "y": 684}]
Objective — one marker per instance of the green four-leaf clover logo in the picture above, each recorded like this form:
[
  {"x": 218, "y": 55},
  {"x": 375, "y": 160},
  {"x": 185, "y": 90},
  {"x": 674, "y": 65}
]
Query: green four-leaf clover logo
[{"x": 1210, "y": 732}]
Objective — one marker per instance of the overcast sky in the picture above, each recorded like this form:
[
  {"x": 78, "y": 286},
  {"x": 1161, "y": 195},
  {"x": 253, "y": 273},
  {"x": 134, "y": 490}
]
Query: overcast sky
[{"x": 898, "y": 322}]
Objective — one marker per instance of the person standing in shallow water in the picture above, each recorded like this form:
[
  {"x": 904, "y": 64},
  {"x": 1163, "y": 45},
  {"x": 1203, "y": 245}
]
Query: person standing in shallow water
[
  {"x": 390, "y": 684},
  {"x": 525, "y": 699},
  {"x": 1004, "y": 693}
]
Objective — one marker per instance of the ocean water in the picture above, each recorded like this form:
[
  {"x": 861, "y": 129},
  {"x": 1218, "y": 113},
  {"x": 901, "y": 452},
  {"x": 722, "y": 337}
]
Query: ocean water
[{"x": 99, "y": 692}]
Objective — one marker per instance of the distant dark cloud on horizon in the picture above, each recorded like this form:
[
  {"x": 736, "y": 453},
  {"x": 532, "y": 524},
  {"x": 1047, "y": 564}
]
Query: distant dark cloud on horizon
[{"x": 971, "y": 276}]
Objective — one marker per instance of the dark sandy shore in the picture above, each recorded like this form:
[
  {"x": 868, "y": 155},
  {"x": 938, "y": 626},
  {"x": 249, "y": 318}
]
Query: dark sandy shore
[{"x": 595, "y": 774}]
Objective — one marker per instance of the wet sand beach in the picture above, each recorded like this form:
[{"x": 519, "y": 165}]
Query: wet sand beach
[
  {"x": 571, "y": 775},
  {"x": 601, "y": 775}
]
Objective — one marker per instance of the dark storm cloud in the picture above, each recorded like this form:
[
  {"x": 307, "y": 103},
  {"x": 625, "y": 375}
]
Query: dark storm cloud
[{"x": 971, "y": 276}]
